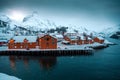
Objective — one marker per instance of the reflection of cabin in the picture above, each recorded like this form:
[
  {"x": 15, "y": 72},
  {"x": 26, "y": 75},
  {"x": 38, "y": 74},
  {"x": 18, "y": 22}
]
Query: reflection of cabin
[
  {"x": 12, "y": 61},
  {"x": 22, "y": 42},
  {"x": 47, "y": 42},
  {"x": 99, "y": 40},
  {"x": 48, "y": 62},
  {"x": 45, "y": 62}
]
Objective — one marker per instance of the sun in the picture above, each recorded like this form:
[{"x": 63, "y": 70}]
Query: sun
[{"x": 17, "y": 15}]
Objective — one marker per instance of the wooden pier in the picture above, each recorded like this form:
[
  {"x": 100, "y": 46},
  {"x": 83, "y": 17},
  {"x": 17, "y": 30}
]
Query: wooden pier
[{"x": 46, "y": 52}]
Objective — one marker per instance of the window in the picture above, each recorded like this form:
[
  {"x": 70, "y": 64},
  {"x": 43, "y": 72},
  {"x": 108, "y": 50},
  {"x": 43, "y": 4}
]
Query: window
[
  {"x": 47, "y": 39},
  {"x": 47, "y": 44},
  {"x": 53, "y": 41}
]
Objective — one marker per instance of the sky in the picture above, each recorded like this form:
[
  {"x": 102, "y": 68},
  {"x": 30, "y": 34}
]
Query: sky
[{"x": 93, "y": 14}]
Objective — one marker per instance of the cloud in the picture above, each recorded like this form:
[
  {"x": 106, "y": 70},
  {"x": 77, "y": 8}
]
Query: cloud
[{"x": 91, "y": 12}]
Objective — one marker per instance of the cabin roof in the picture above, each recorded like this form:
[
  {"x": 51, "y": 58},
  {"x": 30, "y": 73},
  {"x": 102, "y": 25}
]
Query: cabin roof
[
  {"x": 89, "y": 38},
  {"x": 41, "y": 36},
  {"x": 58, "y": 36},
  {"x": 82, "y": 37},
  {"x": 21, "y": 38},
  {"x": 65, "y": 41},
  {"x": 3, "y": 40},
  {"x": 101, "y": 38}
]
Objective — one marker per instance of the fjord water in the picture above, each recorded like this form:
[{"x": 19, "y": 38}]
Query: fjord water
[{"x": 104, "y": 64}]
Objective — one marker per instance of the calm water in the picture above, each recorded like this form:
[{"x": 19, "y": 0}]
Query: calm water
[{"x": 102, "y": 65}]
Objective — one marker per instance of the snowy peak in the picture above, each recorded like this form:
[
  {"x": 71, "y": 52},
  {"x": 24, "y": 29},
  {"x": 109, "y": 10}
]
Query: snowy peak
[
  {"x": 80, "y": 29},
  {"x": 111, "y": 30},
  {"x": 33, "y": 15},
  {"x": 4, "y": 18},
  {"x": 36, "y": 22}
]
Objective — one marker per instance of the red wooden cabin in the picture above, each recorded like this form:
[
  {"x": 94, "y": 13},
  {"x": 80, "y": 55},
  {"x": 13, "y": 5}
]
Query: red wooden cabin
[
  {"x": 99, "y": 40},
  {"x": 22, "y": 42},
  {"x": 47, "y": 42}
]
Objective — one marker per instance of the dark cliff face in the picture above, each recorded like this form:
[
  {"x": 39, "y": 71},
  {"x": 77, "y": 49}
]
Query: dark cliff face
[{"x": 116, "y": 35}]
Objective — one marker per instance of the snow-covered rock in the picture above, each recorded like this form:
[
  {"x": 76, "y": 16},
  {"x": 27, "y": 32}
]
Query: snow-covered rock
[{"x": 7, "y": 77}]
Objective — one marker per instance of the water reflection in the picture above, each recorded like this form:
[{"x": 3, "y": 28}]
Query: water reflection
[
  {"x": 45, "y": 62},
  {"x": 12, "y": 61}
]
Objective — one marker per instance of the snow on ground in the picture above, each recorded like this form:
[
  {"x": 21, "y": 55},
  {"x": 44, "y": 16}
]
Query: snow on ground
[
  {"x": 73, "y": 47},
  {"x": 108, "y": 42},
  {"x": 3, "y": 48},
  {"x": 96, "y": 44},
  {"x": 7, "y": 77},
  {"x": 84, "y": 46}
]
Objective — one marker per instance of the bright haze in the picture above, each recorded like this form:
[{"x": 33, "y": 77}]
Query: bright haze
[{"x": 92, "y": 14}]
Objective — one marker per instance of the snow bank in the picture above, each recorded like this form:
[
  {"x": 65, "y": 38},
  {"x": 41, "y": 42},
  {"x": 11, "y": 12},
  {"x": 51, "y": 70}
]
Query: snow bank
[
  {"x": 7, "y": 77},
  {"x": 97, "y": 45},
  {"x": 108, "y": 42}
]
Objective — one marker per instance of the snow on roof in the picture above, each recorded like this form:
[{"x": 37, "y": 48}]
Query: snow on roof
[
  {"x": 89, "y": 38},
  {"x": 101, "y": 38},
  {"x": 73, "y": 37},
  {"x": 65, "y": 41},
  {"x": 82, "y": 37},
  {"x": 3, "y": 40},
  {"x": 59, "y": 36},
  {"x": 47, "y": 34},
  {"x": 41, "y": 35},
  {"x": 7, "y": 77},
  {"x": 21, "y": 38}
]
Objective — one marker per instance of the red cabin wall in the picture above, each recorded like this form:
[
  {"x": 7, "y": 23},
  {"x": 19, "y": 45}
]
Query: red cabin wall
[{"x": 47, "y": 44}]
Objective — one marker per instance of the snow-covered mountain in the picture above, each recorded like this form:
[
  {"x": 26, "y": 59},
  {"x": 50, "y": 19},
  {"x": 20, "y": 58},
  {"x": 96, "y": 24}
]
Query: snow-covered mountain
[
  {"x": 36, "y": 22},
  {"x": 4, "y": 18},
  {"x": 9, "y": 23},
  {"x": 112, "y": 31},
  {"x": 80, "y": 29}
]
